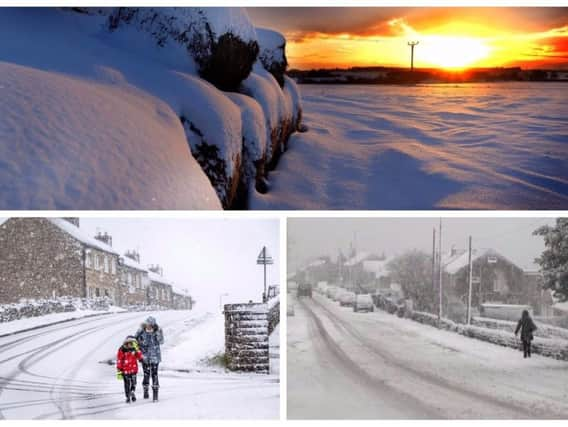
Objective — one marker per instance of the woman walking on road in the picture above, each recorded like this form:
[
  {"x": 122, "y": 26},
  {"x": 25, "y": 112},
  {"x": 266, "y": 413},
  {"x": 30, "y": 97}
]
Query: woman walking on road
[
  {"x": 527, "y": 327},
  {"x": 150, "y": 337}
]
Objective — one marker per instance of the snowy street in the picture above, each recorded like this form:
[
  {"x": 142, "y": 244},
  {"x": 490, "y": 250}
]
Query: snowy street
[
  {"x": 63, "y": 372},
  {"x": 468, "y": 146},
  {"x": 343, "y": 365}
]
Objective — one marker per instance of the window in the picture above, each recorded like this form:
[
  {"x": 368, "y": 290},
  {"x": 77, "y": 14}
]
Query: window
[
  {"x": 97, "y": 292},
  {"x": 105, "y": 259},
  {"x": 113, "y": 266},
  {"x": 106, "y": 293},
  {"x": 89, "y": 260},
  {"x": 97, "y": 263}
]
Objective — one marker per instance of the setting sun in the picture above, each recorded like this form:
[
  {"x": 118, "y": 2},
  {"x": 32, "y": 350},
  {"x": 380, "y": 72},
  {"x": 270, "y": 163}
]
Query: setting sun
[{"x": 452, "y": 52}]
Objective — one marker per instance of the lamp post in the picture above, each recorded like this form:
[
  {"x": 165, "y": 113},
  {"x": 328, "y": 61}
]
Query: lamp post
[{"x": 412, "y": 44}]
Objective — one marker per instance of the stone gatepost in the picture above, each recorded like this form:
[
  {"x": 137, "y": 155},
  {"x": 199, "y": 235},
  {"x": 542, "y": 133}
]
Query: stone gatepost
[{"x": 246, "y": 337}]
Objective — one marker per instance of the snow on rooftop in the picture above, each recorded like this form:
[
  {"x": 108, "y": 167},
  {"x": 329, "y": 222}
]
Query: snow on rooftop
[
  {"x": 454, "y": 263},
  {"x": 378, "y": 267},
  {"x": 129, "y": 262},
  {"x": 81, "y": 235},
  {"x": 359, "y": 257},
  {"x": 155, "y": 277}
]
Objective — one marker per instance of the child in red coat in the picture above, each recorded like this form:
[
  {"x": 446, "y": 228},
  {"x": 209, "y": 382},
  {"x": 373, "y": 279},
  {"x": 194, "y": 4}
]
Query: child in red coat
[{"x": 127, "y": 366}]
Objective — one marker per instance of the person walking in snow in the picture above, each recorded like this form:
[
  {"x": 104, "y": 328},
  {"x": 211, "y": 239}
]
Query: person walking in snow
[
  {"x": 150, "y": 337},
  {"x": 527, "y": 327},
  {"x": 127, "y": 366}
]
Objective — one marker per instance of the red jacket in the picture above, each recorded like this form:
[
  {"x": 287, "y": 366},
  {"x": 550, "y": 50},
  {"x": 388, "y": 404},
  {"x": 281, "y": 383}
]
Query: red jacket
[{"x": 127, "y": 360}]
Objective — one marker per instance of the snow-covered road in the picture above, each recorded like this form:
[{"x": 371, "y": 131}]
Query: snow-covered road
[
  {"x": 467, "y": 146},
  {"x": 374, "y": 365},
  {"x": 62, "y": 371}
]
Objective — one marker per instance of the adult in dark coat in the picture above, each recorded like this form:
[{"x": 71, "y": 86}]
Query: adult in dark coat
[
  {"x": 527, "y": 327},
  {"x": 150, "y": 337}
]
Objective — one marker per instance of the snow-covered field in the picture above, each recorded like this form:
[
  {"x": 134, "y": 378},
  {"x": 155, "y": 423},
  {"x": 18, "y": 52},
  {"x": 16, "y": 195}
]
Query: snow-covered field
[
  {"x": 343, "y": 364},
  {"x": 467, "y": 146},
  {"x": 63, "y": 371}
]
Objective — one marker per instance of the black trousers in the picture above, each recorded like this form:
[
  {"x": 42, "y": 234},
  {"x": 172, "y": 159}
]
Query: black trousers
[
  {"x": 150, "y": 370},
  {"x": 527, "y": 348},
  {"x": 129, "y": 383}
]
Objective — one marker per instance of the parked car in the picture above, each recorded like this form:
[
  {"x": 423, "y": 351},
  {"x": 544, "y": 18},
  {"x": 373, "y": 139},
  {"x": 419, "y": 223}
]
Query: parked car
[
  {"x": 305, "y": 290},
  {"x": 363, "y": 302},
  {"x": 337, "y": 293},
  {"x": 331, "y": 290},
  {"x": 347, "y": 298}
]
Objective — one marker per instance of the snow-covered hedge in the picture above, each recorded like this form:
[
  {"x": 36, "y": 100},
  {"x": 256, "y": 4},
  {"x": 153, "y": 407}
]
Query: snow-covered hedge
[
  {"x": 554, "y": 347},
  {"x": 273, "y": 305},
  {"x": 543, "y": 330}
]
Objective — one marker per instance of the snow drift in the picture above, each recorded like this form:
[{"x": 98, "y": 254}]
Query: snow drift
[{"x": 123, "y": 108}]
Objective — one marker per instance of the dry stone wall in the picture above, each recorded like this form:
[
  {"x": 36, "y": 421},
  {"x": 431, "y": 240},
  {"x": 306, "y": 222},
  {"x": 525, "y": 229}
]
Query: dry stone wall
[{"x": 246, "y": 337}]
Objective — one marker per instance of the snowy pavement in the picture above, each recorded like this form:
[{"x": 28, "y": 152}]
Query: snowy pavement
[
  {"x": 475, "y": 146},
  {"x": 374, "y": 365},
  {"x": 62, "y": 372}
]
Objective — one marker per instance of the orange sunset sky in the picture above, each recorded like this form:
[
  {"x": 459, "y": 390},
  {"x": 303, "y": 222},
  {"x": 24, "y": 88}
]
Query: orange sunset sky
[{"x": 448, "y": 37}]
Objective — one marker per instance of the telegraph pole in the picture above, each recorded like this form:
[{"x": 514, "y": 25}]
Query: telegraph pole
[
  {"x": 433, "y": 260},
  {"x": 469, "y": 286},
  {"x": 412, "y": 44},
  {"x": 440, "y": 267}
]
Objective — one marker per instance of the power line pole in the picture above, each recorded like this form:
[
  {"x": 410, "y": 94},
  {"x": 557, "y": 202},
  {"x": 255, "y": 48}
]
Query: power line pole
[
  {"x": 470, "y": 282},
  {"x": 412, "y": 44},
  {"x": 440, "y": 268},
  {"x": 433, "y": 260}
]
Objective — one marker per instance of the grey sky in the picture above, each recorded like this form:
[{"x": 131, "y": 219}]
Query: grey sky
[
  {"x": 207, "y": 256},
  {"x": 311, "y": 237}
]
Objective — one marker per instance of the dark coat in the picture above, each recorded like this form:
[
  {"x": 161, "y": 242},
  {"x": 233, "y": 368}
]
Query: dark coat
[
  {"x": 150, "y": 343},
  {"x": 127, "y": 360},
  {"x": 527, "y": 327}
]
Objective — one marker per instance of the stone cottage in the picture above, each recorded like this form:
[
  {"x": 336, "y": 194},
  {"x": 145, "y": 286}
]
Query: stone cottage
[
  {"x": 53, "y": 257},
  {"x": 160, "y": 289},
  {"x": 134, "y": 281}
]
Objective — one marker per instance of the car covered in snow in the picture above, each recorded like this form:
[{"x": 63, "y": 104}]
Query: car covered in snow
[
  {"x": 347, "y": 298},
  {"x": 305, "y": 290},
  {"x": 290, "y": 310},
  {"x": 363, "y": 302},
  {"x": 330, "y": 291}
]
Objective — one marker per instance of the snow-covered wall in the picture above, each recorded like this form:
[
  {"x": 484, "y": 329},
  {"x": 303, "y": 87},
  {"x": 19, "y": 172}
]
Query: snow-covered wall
[{"x": 246, "y": 337}]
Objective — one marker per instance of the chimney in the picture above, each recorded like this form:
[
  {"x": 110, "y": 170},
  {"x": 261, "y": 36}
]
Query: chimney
[
  {"x": 155, "y": 268},
  {"x": 133, "y": 254},
  {"x": 74, "y": 221},
  {"x": 105, "y": 238}
]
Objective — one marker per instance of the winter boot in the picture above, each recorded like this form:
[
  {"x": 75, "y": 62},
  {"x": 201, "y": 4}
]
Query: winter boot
[
  {"x": 133, "y": 396},
  {"x": 127, "y": 399},
  {"x": 155, "y": 394},
  {"x": 146, "y": 394}
]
